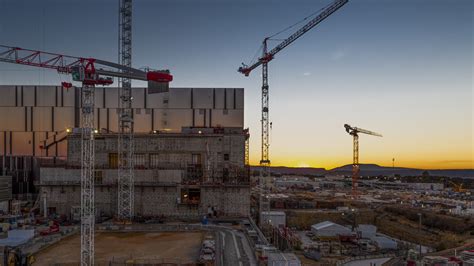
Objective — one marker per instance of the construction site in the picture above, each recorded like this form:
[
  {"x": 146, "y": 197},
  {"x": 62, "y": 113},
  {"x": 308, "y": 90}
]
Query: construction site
[{"x": 97, "y": 172}]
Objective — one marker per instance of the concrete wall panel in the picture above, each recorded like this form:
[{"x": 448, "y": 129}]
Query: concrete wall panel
[
  {"x": 203, "y": 98},
  {"x": 99, "y": 98},
  {"x": 100, "y": 119},
  {"x": 169, "y": 176},
  {"x": 22, "y": 143},
  {"x": 142, "y": 119},
  {"x": 180, "y": 98},
  {"x": 58, "y": 96},
  {"x": 219, "y": 98},
  {"x": 2, "y": 142},
  {"x": 62, "y": 149},
  {"x": 229, "y": 118},
  {"x": 179, "y": 118},
  {"x": 157, "y": 119},
  {"x": 38, "y": 140},
  {"x": 155, "y": 100},
  {"x": 42, "y": 119},
  {"x": 12, "y": 118},
  {"x": 63, "y": 118},
  {"x": 46, "y": 96},
  {"x": 68, "y": 97},
  {"x": 8, "y": 96},
  {"x": 239, "y": 93},
  {"x": 200, "y": 117},
  {"x": 230, "y": 98},
  {"x": 138, "y": 98},
  {"x": 113, "y": 120},
  {"x": 111, "y": 97},
  {"x": 28, "y": 95}
]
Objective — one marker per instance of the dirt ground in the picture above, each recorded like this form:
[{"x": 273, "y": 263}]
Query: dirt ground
[{"x": 124, "y": 246}]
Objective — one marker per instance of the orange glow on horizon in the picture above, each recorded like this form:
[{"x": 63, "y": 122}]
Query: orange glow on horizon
[{"x": 418, "y": 164}]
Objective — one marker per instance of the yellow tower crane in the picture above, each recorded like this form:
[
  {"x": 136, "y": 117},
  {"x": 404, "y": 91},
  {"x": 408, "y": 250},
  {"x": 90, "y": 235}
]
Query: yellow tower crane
[{"x": 354, "y": 131}]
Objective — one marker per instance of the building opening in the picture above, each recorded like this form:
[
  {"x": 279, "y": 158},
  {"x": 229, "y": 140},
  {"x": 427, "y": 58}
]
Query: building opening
[
  {"x": 191, "y": 196},
  {"x": 113, "y": 160}
]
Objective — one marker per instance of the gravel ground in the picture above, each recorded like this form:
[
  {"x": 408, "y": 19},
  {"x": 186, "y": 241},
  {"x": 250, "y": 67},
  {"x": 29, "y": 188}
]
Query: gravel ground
[{"x": 176, "y": 246}]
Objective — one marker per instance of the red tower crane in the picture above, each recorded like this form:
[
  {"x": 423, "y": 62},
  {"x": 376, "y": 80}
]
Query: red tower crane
[
  {"x": 83, "y": 69},
  {"x": 266, "y": 57},
  {"x": 90, "y": 72}
]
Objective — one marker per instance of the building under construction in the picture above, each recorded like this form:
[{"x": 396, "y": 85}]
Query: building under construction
[{"x": 189, "y": 149}]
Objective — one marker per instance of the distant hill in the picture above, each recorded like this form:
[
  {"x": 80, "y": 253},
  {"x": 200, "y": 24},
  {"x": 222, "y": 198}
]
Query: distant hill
[
  {"x": 369, "y": 169},
  {"x": 374, "y": 169}
]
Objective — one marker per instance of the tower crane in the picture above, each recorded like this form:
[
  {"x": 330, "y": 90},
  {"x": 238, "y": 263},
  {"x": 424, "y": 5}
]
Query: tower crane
[
  {"x": 90, "y": 72},
  {"x": 125, "y": 189},
  {"x": 268, "y": 56},
  {"x": 354, "y": 132},
  {"x": 458, "y": 187}
]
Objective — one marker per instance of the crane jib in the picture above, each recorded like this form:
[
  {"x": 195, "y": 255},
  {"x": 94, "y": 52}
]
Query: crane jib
[
  {"x": 308, "y": 26},
  {"x": 82, "y": 69},
  {"x": 326, "y": 13}
]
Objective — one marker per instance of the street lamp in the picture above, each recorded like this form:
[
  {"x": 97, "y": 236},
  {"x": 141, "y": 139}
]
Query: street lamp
[
  {"x": 419, "y": 220},
  {"x": 45, "y": 207}
]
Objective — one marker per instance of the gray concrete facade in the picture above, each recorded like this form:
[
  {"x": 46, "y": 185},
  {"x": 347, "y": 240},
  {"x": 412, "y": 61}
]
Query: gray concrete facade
[
  {"x": 177, "y": 174},
  {"x": 189, "y": 148},
  {"x": 32, "y": 116},
  {"x": 154, "y": 200}
]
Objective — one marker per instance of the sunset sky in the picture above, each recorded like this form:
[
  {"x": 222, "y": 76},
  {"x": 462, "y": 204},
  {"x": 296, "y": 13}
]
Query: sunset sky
[{"x": 401, "y": 68}]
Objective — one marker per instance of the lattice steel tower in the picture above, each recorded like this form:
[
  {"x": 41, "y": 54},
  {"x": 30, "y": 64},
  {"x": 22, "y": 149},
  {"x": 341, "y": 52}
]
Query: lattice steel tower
[
  {"x": 87, "y": 175},
  {"x": 265, "y": 160},
  {"x": 125, "y": 139}
]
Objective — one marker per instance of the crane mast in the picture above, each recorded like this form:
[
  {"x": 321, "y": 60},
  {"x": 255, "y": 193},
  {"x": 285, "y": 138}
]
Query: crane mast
[
  {"x": 87, "y": 175},
  {"x": 86, "y": 71},
  {"x": 265, "y": 160},
  {"x": 125, "y": 139},
  {"x": 354, "y": 132}
]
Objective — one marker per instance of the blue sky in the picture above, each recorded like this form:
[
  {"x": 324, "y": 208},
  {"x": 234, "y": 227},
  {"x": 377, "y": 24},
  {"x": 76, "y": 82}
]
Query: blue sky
[{"x": 402, "y": 68}]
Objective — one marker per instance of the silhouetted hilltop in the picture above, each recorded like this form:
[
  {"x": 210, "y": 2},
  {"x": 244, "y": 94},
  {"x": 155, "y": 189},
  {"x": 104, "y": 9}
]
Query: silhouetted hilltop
[
  {"x": 368, "y": 170},
  {"x": 374, "y": 169}
]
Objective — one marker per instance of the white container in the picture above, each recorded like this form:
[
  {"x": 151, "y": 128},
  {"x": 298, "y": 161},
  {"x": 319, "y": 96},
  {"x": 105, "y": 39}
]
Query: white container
[{"x": 275, "y": 218}]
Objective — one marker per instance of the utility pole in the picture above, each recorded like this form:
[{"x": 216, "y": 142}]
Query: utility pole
[
  {"x": 419, "y": 227},
  {"x": 45, "y": 207}
]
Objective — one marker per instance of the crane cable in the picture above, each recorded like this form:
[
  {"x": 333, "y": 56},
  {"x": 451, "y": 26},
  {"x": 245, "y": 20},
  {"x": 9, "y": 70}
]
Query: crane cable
[
  {"x": 299, "y": 22},
  {"x": 254, "y": 58}
]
